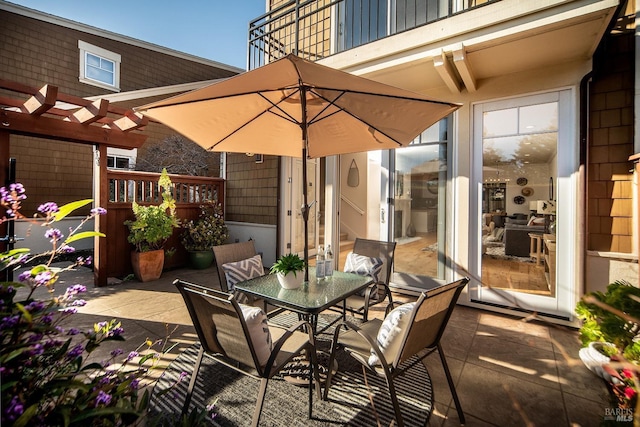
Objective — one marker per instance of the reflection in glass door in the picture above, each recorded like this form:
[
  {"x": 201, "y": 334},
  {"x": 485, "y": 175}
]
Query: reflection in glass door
[
  {"x": 297, "y": 236},
  {"x": 419, "y": 208},
  {"x": 519, "y": 144}
]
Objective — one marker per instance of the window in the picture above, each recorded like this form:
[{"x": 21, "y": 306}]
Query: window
[
  {"x": 115, "y": 162},
  {"x": 99, "y": 67}
]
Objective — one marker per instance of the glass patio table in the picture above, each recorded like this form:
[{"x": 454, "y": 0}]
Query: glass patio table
[{"x": 310, "y": 299}]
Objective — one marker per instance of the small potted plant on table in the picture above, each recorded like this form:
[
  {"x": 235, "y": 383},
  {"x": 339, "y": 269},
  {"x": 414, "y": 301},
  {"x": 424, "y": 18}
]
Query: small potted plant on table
[
  {"x": 152, "y": 226},
  {"x": 199, "y": 236},
  {"x": 287, "y": 268}
]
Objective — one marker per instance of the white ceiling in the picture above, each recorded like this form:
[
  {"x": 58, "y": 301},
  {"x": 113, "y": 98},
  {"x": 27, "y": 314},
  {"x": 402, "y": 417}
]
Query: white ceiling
[{"x": 499, "y": 39}]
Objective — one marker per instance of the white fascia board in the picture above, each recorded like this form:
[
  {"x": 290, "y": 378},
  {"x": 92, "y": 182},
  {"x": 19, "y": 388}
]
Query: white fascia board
[{"x": 154, "y": 91}]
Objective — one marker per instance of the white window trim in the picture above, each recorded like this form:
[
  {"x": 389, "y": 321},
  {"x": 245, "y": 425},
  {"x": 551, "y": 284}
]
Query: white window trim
[{"x": 116, "y": 58}]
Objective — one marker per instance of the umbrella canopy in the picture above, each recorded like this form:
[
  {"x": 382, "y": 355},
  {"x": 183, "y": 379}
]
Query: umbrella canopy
[
  {"x": 261, "y": 111},
  {"x": 297, "y": 108}
]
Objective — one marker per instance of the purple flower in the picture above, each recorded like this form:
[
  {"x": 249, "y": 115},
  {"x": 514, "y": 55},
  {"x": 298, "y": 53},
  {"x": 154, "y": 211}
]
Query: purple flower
[
  {"x": 47, "y": 208},
  {"x": 52, "y": 343},
  {"x": 70, "y": 310},
  {"x": 75, "y": 351},
  {"x": 98, "y": 211},
  {"x": 66, "y": 249},
  {"x": 9, "y": 322},
  {"x": 79, "y": 303},
  {"x": 43, "y": 279},
  {"x": 135, "y": 383},
  {"x": 103, "y": 398},
  {"x": 47, "y": 318},
  {"x": 54, "y": 234},
  {"x": 24, "y": 276},
  {"x": 116, "y": 352},
  {"x": 76, "y": 289},
  {"x": 132, "y": 355},
  {"x": 73, "y": 331},
  {"x": 35, "y": 338},
  {"x": 36, "y": 350},
  {"x": 117, "y": 332},
  {"x": 88, "y": 260},
  {"x": 34, "y": 306},
  {"x": 15, "y": 408}
]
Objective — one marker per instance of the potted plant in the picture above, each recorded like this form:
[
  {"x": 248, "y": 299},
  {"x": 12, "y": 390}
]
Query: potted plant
[
  {"x": 149, "y": 231},
  {"x": 612, "y": 317},
  {"x": 199, "y": 236},
  {"x": 610, "y": 335},
  {"x": 287, "y": 268}
]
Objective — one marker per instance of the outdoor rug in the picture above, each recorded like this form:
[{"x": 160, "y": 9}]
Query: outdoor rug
[{"x": 349, "y": 402}]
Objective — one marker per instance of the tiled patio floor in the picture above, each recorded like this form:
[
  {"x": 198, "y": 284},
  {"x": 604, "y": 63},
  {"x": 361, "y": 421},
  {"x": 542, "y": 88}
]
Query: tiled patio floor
[{"x": 507, "y": 372}]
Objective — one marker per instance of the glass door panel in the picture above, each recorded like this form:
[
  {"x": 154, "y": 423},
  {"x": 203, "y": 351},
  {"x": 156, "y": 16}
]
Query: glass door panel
[
  {"x": 419, "y": 208},
  {"x": 518, "y": 143}
]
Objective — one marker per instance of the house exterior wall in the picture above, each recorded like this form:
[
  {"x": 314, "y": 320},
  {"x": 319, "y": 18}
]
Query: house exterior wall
[
  {"x": 610, "y": 231},
  {"x": 252, "y": 189},
  {"x": 37, "y": 49}
]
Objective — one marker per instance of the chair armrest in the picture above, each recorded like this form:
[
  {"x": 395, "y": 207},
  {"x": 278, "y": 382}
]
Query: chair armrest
[
  {"x": 372, "y": 341},
  {"x": 391, "y": 306},
  {"x": 371, "y": 288},
  {"x": 288, "y": 333}
]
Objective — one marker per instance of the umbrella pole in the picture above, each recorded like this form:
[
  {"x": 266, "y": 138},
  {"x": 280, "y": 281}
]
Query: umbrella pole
[{"x": 305, "y": 214}]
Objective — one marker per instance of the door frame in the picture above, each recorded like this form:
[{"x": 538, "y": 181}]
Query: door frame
[
  {"x": 290, "y": 183},
  {"x": 563, "y": 304}
]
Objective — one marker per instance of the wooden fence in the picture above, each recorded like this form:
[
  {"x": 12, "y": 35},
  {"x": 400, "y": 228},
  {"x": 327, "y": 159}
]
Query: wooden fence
[{"x": 142, "y": 187}]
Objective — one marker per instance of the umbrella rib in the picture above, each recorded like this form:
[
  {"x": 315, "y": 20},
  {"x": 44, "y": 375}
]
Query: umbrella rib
[
  {"x": 284, "y": 114},
  {"x": 408, "y": 98},
  {"x": 317, "y": 119},
  {"x": 268, "y": 110}
]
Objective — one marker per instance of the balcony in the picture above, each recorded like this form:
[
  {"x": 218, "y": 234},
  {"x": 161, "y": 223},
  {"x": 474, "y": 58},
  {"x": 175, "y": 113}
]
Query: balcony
[
  {"x": 326, "y": 27},
  {"x": 423, "y": 45}
]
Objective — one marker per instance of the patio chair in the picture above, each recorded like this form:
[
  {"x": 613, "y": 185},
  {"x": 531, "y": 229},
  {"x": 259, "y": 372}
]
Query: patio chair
[
  {"x": 232, "y": 252},
  {"x": 379, "y": 290},
  {"x": 240, "y": 341},
  {"x": 412, "y": 329}
]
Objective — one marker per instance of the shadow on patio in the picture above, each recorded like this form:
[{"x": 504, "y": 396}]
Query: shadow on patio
[{"x": 507, "y": 371}]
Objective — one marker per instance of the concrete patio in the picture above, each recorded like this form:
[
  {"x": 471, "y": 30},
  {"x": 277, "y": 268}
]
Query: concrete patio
[{"x": 508, "y": 372}]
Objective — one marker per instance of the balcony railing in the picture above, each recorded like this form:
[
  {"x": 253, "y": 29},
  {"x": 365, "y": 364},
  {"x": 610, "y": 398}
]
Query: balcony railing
[{"x": 314, "y": 29}]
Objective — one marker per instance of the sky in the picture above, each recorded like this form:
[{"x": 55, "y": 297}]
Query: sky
[{"x": 212, "y": 29}]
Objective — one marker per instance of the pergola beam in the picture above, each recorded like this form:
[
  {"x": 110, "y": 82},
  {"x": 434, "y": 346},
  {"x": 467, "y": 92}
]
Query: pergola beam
[
  {"x": 131, "y": 120},
  {"x": 52, "y": 128},
  {"x": 42, "y": 101},
  {"x": 95, "y": 111}
]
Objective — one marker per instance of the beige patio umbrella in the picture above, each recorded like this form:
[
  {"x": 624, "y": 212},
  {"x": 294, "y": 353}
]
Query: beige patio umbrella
[{"x": 297, "y": 108}]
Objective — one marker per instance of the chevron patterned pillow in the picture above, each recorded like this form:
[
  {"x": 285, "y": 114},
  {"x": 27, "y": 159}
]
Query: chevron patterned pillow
[
  {"x": 240, "y": 271},
  {"x": 364, "y": 266}
]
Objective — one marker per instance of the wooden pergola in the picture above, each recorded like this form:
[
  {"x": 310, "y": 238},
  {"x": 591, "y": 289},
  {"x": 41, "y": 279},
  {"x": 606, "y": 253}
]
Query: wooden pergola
[{"x": 47, "y": 113}]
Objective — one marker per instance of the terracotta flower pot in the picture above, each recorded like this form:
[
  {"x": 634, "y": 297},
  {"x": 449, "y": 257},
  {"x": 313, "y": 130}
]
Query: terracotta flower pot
[{"x": 147, "y": 266}]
